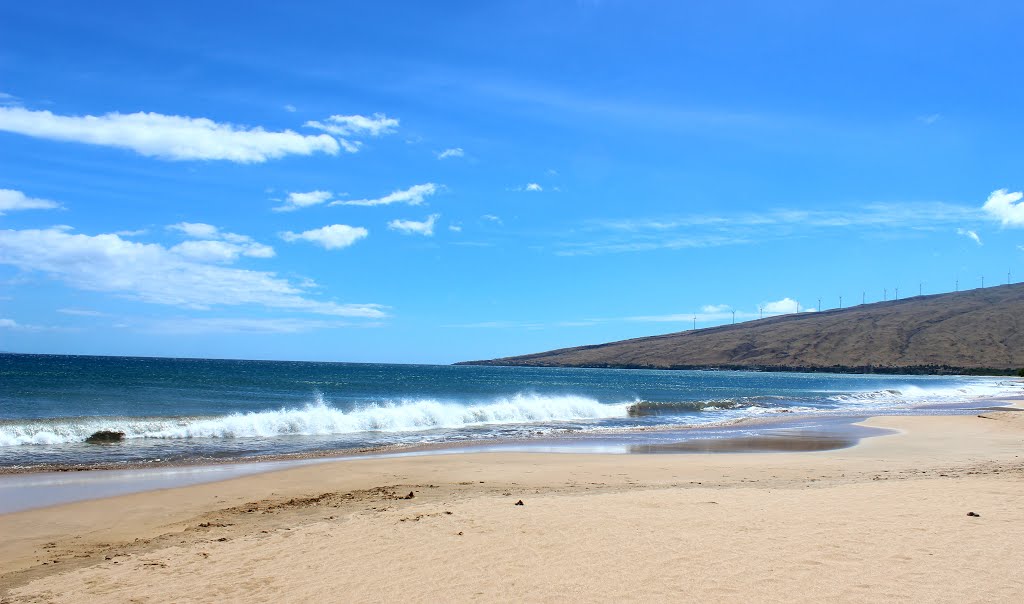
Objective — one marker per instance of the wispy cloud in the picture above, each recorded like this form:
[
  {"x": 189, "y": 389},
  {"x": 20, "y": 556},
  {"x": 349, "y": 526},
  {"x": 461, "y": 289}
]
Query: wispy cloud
[
  {"x": 929, "y": 119},
  {"x": 13, "y": 325},
  {"x": 355, "y": 125},
  {"x": 531, "y": 187},
  {"x": 11, "y": 200},
  {"x": 208, "y": 243},
  {"x": 282, "y": 325},
  {"x": 1005, "y": 207},
  {"x": 345, "y": 126},
  {"x": 81, "y": 312},
  {"x": 719, "y": 313},
  {"x": 412, "y": 227},
  {"x": 709, "y": 313},
  {"x": 413, "y": 196},
  {"x": 172, "y": 137},
  {"x": 154, "y": 274},
  {"x": 330, "y": 237},
  {"x": 618, "y": 245},
  {"x": 296, "y": 201},
  {"x": 449, "y": 153},
  {"x": 715, "y": 230},
  {"x": 972, "y": 235}
]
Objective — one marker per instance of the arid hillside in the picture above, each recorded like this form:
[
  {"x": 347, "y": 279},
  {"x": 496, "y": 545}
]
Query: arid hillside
[{"x": 977, "y": 331}]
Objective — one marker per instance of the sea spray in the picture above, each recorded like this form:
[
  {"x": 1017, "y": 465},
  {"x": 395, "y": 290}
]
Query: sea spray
[
  {"x": 319, "y": 418},
  {"x": 187, "y": 409}
]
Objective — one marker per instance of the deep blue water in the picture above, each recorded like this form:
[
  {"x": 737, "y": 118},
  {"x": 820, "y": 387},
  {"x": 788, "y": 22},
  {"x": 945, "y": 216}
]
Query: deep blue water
[{"x": 174, "y": 409}]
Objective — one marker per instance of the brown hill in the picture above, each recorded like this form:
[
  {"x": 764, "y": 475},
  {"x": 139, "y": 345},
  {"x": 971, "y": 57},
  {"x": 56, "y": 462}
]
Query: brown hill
[{"x": 977, "y": 331}]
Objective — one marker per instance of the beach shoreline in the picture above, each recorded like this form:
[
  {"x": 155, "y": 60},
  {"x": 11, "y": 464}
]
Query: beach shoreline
[
  {"x": 883, "y": 519},
  {"x": 329, "y": 454}
]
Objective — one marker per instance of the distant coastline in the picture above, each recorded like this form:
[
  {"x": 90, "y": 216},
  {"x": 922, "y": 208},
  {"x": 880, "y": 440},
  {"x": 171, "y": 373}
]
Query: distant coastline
[
  {"x": 863, "y": 369},
  {"x": 976, "y": 332}
]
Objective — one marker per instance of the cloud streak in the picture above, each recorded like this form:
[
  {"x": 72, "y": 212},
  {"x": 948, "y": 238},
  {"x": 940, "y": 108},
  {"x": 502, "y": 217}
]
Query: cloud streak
[
  {"x": 297, "y": 201},
  {"x": 711, "y": 230},
  {"x": 12, "y": 200},
  {"x": 345, "y": 126},
  {"x": 170, "y": 137},
  {"x": 972, "y": 235},
  {"x": 449, "y": 153},
  {"x": 154, "y": 274},
  {"x": 412, "y": 227},
  {"x": 330, "y": 237},
  {"x": 279, "y": 325},
  {"x": 414, "y": 196}
]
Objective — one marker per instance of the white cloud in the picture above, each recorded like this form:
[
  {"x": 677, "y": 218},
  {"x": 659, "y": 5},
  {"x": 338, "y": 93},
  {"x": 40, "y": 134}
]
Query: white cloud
[
  {"x": 454, "y": 152},
  {"x": 343, "y": 126},
  {"x": 350, "y": 146},
  {"x": 1005, "y": 207},
  {"x": 413, "y": 196},
  {"x": 172, "y": 137},
  {"x": 295, "y": 201},
  {"x": 715, "y": 308},
  {"x": 972, "y": 235},
  {"x": 290, "y": 108},
  {"x": 708, "y": 314},
  {"x": 534, "y": 187},
  {"x": 411, "y": 227},
  {"x": 152, "y": 273},
  {"x": 491, "y": 218},
  {"x": 929, "y": 119},
  {"x": 210, "y": 244},
  {"x": 8, "y": 324},
  {"x": 132, "y": 233},
  {"x": 781, "y": 307},
  {"x": 11, "y": 200},
  {"x": 221, "y": 251},
  {"x": 196, "y": 230},
  {"x": 455, "y": 228},
  {"x": 331, "y": 237},
  {"x": 356, "y": 125}
]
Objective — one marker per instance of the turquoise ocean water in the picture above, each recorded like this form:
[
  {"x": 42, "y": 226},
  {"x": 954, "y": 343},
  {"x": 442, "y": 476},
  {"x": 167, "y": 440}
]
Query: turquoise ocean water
[{"x": 193, "y": 409}]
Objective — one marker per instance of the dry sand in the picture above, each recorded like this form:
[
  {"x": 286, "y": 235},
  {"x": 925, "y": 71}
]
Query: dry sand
[{"x": 886, "y": 520}]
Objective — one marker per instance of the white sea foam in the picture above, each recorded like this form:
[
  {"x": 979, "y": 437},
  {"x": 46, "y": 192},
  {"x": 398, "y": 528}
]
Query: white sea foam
[
  {"x": 320, "y": 419},
  {"x": 910, "y": 394}
]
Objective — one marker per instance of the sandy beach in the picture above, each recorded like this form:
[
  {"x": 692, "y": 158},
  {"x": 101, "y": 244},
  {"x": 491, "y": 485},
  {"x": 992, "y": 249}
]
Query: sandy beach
[{"x": 885, "y": 520}]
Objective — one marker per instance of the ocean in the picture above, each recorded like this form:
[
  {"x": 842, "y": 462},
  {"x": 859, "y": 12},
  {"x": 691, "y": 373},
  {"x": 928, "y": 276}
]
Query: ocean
[{"x": 194, "y": 410}]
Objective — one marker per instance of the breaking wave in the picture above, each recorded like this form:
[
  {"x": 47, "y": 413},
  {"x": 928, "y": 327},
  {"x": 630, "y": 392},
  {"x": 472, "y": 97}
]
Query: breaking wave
[
  {"x": 320, "y": 419},
  {"x": 654, "y": 408},
  {"x": 916, "y": 395}
]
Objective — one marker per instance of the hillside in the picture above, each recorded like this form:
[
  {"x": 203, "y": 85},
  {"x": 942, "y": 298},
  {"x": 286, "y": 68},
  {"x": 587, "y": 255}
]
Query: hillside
[{"x": 976, "y": 331}]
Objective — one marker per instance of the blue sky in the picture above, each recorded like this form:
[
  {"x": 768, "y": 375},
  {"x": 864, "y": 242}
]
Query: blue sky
[{"x": 434, "y": 182}]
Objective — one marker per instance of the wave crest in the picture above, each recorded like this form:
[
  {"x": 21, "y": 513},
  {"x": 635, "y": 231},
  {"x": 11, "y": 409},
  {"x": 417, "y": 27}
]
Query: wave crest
[{"x": 320, "y": 419}]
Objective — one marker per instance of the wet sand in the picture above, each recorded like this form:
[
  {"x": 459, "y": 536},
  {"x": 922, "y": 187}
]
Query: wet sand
[
  {"x": 39, "y": 487},
  {"x": 886, "y": 519}
]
